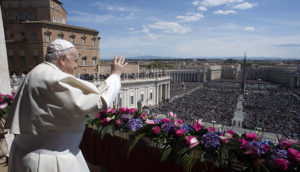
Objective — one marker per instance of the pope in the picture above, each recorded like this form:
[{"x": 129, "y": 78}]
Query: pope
[{"x": 47, "y": 114}]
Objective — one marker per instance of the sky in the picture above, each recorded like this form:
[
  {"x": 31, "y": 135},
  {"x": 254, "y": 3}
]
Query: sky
[{"x": 191, "y": 28}]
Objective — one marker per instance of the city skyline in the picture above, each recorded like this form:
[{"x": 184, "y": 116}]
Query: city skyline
[{"x": 206, "y": 28}]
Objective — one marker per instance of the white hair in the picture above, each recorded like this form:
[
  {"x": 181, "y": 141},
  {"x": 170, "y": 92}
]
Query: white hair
[{"x": 54, "y": 55}]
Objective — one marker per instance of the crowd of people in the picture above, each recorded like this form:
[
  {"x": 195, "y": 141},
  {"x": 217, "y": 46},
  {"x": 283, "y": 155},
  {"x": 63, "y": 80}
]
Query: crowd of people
[
  {"x": 267, "y": 107},
  {"x": 210, "y": 104},
  {"x": 273, "y": 110},
  {"x": 180, "y": 88}
]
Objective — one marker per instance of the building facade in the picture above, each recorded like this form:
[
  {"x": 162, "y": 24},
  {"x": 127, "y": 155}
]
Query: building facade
[
  {"x": 149, "y": 91},
  {"x": 30, "y": 26}
]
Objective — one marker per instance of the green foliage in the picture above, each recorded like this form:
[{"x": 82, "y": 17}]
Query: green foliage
[
  {"x": 166, "y": 153},
  {"x": 133, "y": 142},
  {"x": 159, "y": 65}
]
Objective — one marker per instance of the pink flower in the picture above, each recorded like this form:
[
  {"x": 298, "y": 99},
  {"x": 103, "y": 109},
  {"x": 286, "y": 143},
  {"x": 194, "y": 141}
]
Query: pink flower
[
  {"x": 156, "y": 130},
  {"x": 122, "y": 109},
  {"x": 109, "y": 110},
  {"x": 143, "y": 116},
  {"x": 243, "y": 144},
  {"x": 173, "y": 115},
  {"x": 211, "y": 129},
  {"x": 180, "y": 132},
  {"x": 294, "y": 154},
  {"x": 14, "y": 93},
  {"x": 197, "y": 125},
  {"x": 11, "y": 97},
  {"x": 251, "y": 151},
  {"x": 105, "y": 121},
  {"x": 266, "y": 147},
  {"x": 99, "y": 115},
  {"x": 131, "y": 110},
  {"x": 150, "y": 122},
  {"x": 251, "y": 136},
  {"x": 1, "y": 100},
  {"x": 192, "y": 141},
  {"x": 3, "y": 106},
  {"x": 165, "y": 120},
  {"x": 118, "y": 122},
  {"x": 281, "y": 164},
  {"x": 230, "y": 131},
  {"x": 285, "y": 143},
  {"x": 178, "y": 123},
  {"x": 225, "y": 138}
]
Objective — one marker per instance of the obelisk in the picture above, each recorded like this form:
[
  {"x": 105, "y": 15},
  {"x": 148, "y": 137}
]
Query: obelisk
[
  {"x": 243, "y": 76},
  {"x": 5, "y": 87}
]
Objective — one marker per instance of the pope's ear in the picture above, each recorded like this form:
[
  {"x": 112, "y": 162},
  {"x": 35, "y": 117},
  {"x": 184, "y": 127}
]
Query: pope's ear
[{"x": 62, "y": 60}]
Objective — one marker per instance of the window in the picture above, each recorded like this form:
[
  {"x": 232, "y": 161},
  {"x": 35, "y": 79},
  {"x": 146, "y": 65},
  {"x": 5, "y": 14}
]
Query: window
[
  {"x": 35, "y": 52},
  {"x": 22, "y": 33},
  {"x": 94, "y": 61},
  {"x": 120, "y": 101},
  {"x": 48, "y": 38},
  {"x": 151, "y": 96},
  {"x": 131, "y": 100},
  {"x": 94, "y": 42},
  {"x": 12, "y": 35},
  {"x": 54, "y": 19},
  {"x": 59, "y": 20},
  {"x": 31, "y": 16},
  {"x": 52, "y": 6},
  {"x": 34, "y": 37},
  {"x": 11, "y": 17},
  {"x": 10, "y": 52},
  {"x": 20, "y": 5},
  {"x": 36, "y": 60},
  {"x": 21, "y": 52},
  {"x": 142, "y": 97},
  {"x": 21, "y": 16},
  {"x": 84, "y": 61},
  {"x": 72, "y": 40},
  {"x": 23, "y": 62},
  {"x": 11, "y": 61},
  {"x": 83, "y": 38}
]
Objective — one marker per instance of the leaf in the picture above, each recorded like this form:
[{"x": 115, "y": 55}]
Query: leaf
[
  {"x": 203, "y": 157},
  {"x": 136, "y": 139},
  {"x": 111, "y": 130},
  {"x": 166, "y": 153},
  {"x": 188, "y": 161},
  {"x": 103, "y": 132}
]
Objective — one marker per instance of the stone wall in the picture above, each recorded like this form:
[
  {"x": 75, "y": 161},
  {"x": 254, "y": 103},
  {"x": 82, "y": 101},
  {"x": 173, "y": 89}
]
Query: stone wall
[{"x": 4, "y": 76}]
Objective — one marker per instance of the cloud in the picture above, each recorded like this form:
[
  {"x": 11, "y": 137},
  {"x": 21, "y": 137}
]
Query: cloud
[
  {"x": 212, "y": 3},
  {"x": 202, "y": 8},
  {"x": 244, "y": 6},
  {"x": 288, "y": 44},
  {"x": 170, "y": 27},
  {"x": 249, "y": 28},
  {"x": 83, "y": 17},
  {"x": 114, "y": 7},
  {"x": 225, "y": 12},
  {"x": 191, "y": 17},
  {"x": 195, "y": 3}
]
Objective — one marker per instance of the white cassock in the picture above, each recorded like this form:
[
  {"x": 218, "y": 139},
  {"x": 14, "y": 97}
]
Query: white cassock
[{"x": 48, "y": 114}]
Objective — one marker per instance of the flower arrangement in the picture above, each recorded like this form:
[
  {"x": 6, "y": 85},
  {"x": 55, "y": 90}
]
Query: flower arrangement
[
  {"x": 5, "y": 102},
  {"x": 191, "y": 144}
]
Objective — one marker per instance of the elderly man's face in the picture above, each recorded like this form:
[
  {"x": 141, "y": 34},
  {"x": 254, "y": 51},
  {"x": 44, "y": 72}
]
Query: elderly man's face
[{"x": 69, "y": 64}]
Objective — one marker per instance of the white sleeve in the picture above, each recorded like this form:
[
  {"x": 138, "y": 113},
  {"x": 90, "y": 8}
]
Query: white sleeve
[{"x": 114, "y": 85}]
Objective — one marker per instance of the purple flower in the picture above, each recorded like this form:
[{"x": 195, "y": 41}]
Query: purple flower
[
  {"x": 278, "y": 153},
  {"x": 168, "y": 127},
  {"x": 125, "y": 117},
  {"x": 157, "y": 120},
  {"x": 187, "y": 128},
  {"x": 134, "y": 124},
  {"x": 210, "y": 141},
  {"x": 256, "y": 148}
]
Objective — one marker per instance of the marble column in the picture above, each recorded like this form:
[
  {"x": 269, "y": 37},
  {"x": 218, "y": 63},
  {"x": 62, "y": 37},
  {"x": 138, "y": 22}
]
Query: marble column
[{"x": 5, "y": 87}]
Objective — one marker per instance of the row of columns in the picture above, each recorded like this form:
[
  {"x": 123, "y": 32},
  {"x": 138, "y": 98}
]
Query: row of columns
[
  {"x": 159, "y": 93},
  {"x": 188, "y": 77}
]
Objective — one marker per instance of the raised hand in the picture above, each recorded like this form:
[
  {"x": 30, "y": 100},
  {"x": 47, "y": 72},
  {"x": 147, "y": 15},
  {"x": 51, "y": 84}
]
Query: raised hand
[{"x": 118, "y": 67}]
